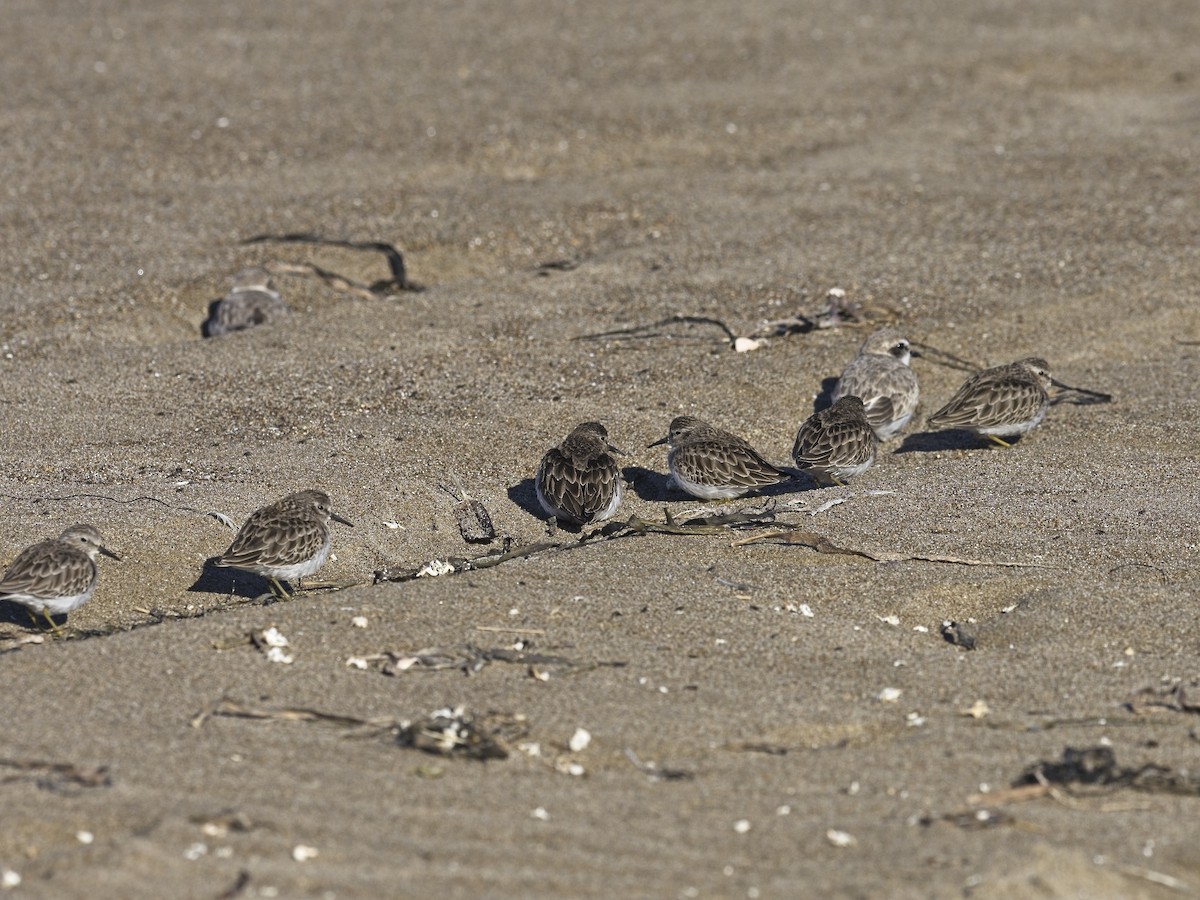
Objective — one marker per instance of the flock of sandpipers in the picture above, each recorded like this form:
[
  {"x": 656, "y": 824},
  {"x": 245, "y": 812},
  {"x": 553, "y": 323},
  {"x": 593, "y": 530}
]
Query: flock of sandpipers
[{"x": 579, "y": 482}]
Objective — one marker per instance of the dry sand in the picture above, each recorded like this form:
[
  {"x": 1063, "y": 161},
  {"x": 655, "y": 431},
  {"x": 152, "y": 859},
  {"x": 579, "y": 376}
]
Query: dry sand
[{"x": 1001, "y": 179}]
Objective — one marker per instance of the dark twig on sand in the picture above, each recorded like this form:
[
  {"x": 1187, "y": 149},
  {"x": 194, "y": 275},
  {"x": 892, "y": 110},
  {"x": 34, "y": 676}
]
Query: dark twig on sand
[
  {"x": 944, "y": 358},
  {"x": 382, "y": 288},
  {"x": 652, "y": 330},
  {"x": 838, "y": 311},
  {"x": 657, "y": 772},
  {"x": 821, "y": 544},
  {"x": 1180, "y": 696},
  {"x": 239, "y": 885},
  {"x": 556, "y": 265},
  {"x": 63, "y": 498},
  {"x": 700, "y": 525},
  {"x": 1078, "y": 396},
  {"x": 633, "y": 527},
  {"x": 334, "y": 280}
]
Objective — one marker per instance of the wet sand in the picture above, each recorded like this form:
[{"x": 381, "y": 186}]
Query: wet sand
[{"x": 1000, "y": 182}]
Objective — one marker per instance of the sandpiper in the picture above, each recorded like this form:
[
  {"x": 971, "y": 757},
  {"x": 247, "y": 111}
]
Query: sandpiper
[{"x": 284, "y": 541}]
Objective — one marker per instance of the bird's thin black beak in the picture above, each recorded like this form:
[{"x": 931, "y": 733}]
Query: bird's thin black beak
[
  {"x": 616, "y": 450},
  {"x": 338, "y": 518},
  {"x": 110, "y": 554},
  {"x": 659, "y": 441}
]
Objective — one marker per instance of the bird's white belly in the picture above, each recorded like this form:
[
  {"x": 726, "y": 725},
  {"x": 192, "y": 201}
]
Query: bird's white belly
[
  {"x": 1012, "y": 429},
  {"x": 57, "y": 606},
  {"x": 299, "y": 569},
  {"x": 708, "y": 491}
]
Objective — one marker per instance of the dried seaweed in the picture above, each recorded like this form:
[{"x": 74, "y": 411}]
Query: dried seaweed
[
  {"x": 453, "y": 732},
  {"x": 1175, "y": 697},
  {"x": 838, "y": 311},
  {"x": 1079, "y": 773},
  {"x": 1097, "y": 767},
  {"x": 633, "y": 527},
  {"x": 51, "y": 776},
  {"x": 657, "y": 772},
  {"x": 448, "y": 731},
  {"x": 10, "y": 641},
  {"x": 804, "y": 538},
  {"x": 470, "y": 659},
  {"x": 955, "y": 634},
  {"x": 822, "y": 544}
]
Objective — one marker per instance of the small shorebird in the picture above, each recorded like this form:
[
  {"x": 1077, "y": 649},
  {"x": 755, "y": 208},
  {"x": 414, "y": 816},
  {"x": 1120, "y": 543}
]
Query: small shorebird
[
  {"x": 57, "y": 576},
  {"x": 837, "y": 443},
  {"x": 880, "y": 376},
  {"x": 578, "y": 481},
  {"x": 1001, "y": 402},
  {"x": 714, "y": 464},
  {"x": 284, "y": 541},
  {"x": 251, "y": 301}
]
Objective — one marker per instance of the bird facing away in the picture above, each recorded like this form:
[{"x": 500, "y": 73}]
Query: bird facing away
[
  {"x": 284, "y": 541},
  {"x": 714, "y": 464},
  {"x": 837, "y": 443},
  {"x": 880, "y": 376},
  {"x": 251, "y": 301},
  {"x": 56, "y": 576},
  {"x": 1001, "y": 402},
  {"x": 578, "y": 481}
]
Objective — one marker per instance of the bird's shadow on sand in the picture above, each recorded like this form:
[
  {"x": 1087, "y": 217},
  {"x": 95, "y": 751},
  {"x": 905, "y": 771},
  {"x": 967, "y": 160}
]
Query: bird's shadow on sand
[
  {"x": 939, "y": 441},
  {"x": 824, "y": 399},
  {"x": 650, "y": 485},
  {"x": 524, "y": 494},
  {"x": 207, "y": 324},
  {"x": 658, "y": 487},
  {"x": 12, "y": 613},
  {"x": 229, "y": 582}
]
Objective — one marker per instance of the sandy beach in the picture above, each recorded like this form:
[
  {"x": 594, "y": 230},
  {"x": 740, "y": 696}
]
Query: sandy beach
[{"x": 672, "y": 708}]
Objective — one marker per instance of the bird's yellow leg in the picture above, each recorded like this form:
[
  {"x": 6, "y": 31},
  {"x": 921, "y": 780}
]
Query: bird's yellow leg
[
  {"x": 49, "y": 621},
  {"x": 1000, "y": 441}
]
